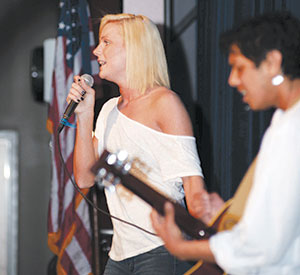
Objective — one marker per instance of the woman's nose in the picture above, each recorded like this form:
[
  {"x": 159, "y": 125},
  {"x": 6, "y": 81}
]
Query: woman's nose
[{"x": 97, "y": 50}]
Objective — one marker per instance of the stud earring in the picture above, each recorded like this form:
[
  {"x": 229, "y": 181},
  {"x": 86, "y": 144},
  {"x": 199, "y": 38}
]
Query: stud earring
[{"x": 277, "y": 80}]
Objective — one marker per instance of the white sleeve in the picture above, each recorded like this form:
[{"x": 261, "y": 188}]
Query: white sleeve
[
  {"x": 178, "y": 157},
  {"x": 270, "y": 224}
]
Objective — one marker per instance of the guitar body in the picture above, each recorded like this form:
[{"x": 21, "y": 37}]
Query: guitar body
[{"x": 204, "y": 268}]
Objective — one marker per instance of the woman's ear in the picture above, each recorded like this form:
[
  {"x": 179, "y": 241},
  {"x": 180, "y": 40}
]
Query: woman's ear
[{"x": 273, "y": 62}]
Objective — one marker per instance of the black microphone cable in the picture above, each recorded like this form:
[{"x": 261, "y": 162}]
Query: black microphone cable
[{"x": 87, "y": 199}]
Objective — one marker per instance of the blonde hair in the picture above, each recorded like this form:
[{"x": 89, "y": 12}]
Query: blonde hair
[{"x": 146, "y": 65}]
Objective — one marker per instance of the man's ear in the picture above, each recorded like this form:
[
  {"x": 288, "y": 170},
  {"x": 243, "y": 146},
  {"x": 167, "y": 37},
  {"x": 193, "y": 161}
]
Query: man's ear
[{"x": 273, "y": 62}]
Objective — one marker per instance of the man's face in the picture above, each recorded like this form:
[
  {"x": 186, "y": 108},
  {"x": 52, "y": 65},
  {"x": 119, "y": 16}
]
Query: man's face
[{"x": 254, "y": 83}]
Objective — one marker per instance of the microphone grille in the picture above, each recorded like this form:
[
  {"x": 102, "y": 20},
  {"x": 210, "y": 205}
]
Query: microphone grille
[{"x": 89, "y": 80}]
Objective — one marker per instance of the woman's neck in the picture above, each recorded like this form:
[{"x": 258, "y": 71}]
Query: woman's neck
[{"x": 129, "y": 95}]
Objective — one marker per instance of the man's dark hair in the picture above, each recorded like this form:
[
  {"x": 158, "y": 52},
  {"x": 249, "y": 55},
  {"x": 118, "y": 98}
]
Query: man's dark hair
[{"x": 261, "y": 34}]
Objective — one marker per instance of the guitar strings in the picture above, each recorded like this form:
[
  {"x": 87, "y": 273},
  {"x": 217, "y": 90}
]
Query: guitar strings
[{"x": 88, "y": 200}]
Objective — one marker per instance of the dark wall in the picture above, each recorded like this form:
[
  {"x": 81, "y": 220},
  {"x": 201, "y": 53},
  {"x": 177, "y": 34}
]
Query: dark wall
[
  {"x": 231, "y": 134},
  {"x": 98, "y": 10},
  {"x": 101, "y": 223},
  {"x": 23, "y": 26},
  {"x": 228, "y": 135}
]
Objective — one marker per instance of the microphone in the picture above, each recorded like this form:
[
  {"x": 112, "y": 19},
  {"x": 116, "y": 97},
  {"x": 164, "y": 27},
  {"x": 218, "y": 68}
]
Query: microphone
[{"x": 89, "y": 80}]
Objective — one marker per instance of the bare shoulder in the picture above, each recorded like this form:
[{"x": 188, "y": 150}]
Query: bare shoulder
[
  {"x": 163, "y": 99},
  {"x": 163, "y": 93},
  {"x": 170, "y": 113}
]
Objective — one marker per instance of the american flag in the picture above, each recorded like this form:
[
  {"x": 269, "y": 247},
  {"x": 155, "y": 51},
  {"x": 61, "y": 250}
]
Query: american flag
[{"x": 69, "y": 228}]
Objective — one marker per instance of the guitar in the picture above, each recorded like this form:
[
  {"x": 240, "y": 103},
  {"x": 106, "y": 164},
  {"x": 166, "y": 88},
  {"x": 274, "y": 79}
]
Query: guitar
[{"x": 115, "y": 169}]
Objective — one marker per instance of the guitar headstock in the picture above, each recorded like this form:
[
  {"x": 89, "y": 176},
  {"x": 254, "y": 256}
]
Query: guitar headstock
[
  {"x": 110, "y": 167},
  {"x": 114, "y": 168}
]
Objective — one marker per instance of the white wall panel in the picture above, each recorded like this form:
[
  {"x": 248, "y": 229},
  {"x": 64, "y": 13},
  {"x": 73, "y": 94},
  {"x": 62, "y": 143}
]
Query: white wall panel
[{"x": 154, "y": 9}]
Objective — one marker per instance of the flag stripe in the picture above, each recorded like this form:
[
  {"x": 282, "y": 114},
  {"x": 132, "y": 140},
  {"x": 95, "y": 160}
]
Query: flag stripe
[{"x": 69, "y": 229}]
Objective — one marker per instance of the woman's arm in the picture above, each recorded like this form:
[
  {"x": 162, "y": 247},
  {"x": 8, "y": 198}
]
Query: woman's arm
[
  {"x": 197, "y": 198},
  {"x": 172, "y": 118},
  {"x": 85, "y": 150}
]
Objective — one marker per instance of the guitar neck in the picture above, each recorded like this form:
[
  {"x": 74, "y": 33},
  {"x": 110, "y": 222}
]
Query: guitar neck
[
  {"x": 187, "y": 223},
  {"x": 190, "y": 225}
]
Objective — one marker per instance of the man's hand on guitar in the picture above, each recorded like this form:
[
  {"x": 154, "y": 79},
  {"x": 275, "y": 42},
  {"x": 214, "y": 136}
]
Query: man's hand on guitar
[
  {"x": 167, "y": 229},
  {"x": 169, "y": 232}
]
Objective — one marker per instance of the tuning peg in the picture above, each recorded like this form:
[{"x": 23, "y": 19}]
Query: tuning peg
[
  {"x": 106, "y": 180},
  {"x": 111, "y": 159},
  {"x": 126, "y": 168},
  {"x": 101, "y": 174},
  {"x": 109, "y": 186},
  {"x": 109, "y": 177},
  {"x": 122, "y": 156}
]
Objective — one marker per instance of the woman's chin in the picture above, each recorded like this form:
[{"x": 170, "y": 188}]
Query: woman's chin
[{"x": 102, "y": 75}]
